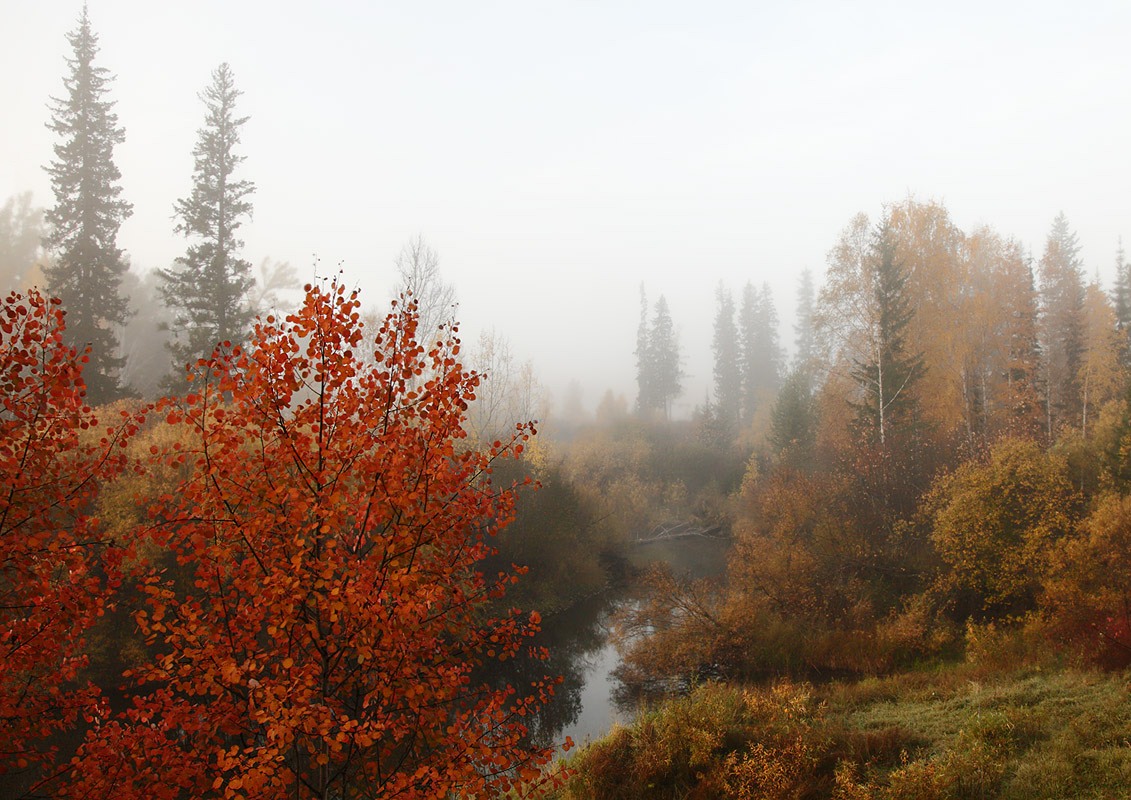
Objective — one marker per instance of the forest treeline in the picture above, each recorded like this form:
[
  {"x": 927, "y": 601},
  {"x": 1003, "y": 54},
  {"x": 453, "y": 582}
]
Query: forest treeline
[
  {"x": 937, "y": 492},
  {"x": 951, "y": 445}
]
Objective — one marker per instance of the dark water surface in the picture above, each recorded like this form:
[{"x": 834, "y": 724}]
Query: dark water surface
[{"x": 582, "y": 653}]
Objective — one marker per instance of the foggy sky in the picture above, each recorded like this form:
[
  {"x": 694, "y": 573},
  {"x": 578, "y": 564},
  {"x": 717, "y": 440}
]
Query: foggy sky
[{"x": 557, "y": 156}]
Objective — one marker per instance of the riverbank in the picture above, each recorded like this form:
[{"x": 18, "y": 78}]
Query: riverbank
[{"x": 959, "y": 731}]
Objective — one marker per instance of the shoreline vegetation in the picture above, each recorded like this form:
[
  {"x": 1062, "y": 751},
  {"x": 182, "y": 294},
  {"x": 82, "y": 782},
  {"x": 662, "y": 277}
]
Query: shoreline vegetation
[{"x": 963, "y": 730}]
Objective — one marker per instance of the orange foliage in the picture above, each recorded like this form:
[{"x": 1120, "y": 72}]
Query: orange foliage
[
  {"x": 321, "y": 633},
  {"x": 55, "y": 574},
  {"x": 1087, "y": 599},
  {"x": 995, "y": 525}
]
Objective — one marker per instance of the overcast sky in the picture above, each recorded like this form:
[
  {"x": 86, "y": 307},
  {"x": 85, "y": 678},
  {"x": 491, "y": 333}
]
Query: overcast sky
[{"x": 556, "y": 155}]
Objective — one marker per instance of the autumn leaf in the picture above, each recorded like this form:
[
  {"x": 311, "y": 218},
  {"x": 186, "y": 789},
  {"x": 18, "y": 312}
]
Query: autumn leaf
[
  {"x": 57, "y": 569},
  {"x": 322, "y": 630}
]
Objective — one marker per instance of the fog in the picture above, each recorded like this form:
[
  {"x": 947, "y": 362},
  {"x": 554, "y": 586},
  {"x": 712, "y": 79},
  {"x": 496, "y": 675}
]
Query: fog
[{"x": 557, "y": 158}]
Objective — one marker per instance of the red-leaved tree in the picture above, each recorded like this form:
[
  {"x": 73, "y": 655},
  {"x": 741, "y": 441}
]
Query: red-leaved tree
[
  {"x": 320, "y": 632},
  {"x": 56, "y": 575}
]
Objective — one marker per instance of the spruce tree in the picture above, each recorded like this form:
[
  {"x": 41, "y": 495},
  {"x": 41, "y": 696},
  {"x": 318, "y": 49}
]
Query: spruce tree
[
  {"x": 887, "y": 372},
  {"x": 207, "y": 287},
  {"x": 644, "y": 368},
  {"x": 793, "y": 423},
  {"x": 770, "y": 354},
  {"x": 1061, "y": 325},
  {"x": 1121, "y": 298},
  {"x": 1016, "y": 294},
  {"x": 728, "y": 371},
  {"x": 805, "y": 335},
  {"x": 761, "y": 351},
  {"x": 658, "y": 374},
  {"x": 663, "y": 344},
  {"x": 1121, "y": 289},
  {"x": 87, "y": 267}
]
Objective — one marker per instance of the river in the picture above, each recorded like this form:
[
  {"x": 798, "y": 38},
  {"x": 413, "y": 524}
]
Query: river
[{"x": 581, "y": 652}]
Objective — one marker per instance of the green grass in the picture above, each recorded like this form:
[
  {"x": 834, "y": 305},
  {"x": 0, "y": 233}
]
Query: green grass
[
  {"x": 1045, "y": 735},
  {"x": 957, "y": 732}
]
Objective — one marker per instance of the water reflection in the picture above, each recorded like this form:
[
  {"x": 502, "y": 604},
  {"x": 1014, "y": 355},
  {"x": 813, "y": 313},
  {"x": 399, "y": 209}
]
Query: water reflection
[
  {"x": 585, "y": 705},
  {"x": 580, "y": 651}
]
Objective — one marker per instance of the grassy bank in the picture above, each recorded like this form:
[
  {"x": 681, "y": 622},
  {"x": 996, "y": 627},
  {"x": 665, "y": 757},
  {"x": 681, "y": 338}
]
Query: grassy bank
[{"x": 956, "y": 732}]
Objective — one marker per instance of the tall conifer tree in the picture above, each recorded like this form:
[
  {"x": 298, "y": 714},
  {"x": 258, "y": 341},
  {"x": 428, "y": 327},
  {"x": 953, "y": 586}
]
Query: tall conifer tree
[
  {"x": 663, "y": 343},
  {"x": 1121, "y": 289},
  {"x": 805, "y": 336},
  {"x": 207, "y": 287},
  {"x": 728, "y": 370},
  {"x": 658, "y": 374},
  {"x": 1121, "y": 298},
  {"x": 761, "y": 350},
  {"x": 1016, "y": 297},
  {"x": 87, "y": 265},
  {"x": 644, "y": 369},
  {"x": 793, "y": 422},
  {"x": 887, "y": 372},
  {"x": 1061, "y": 325}
]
